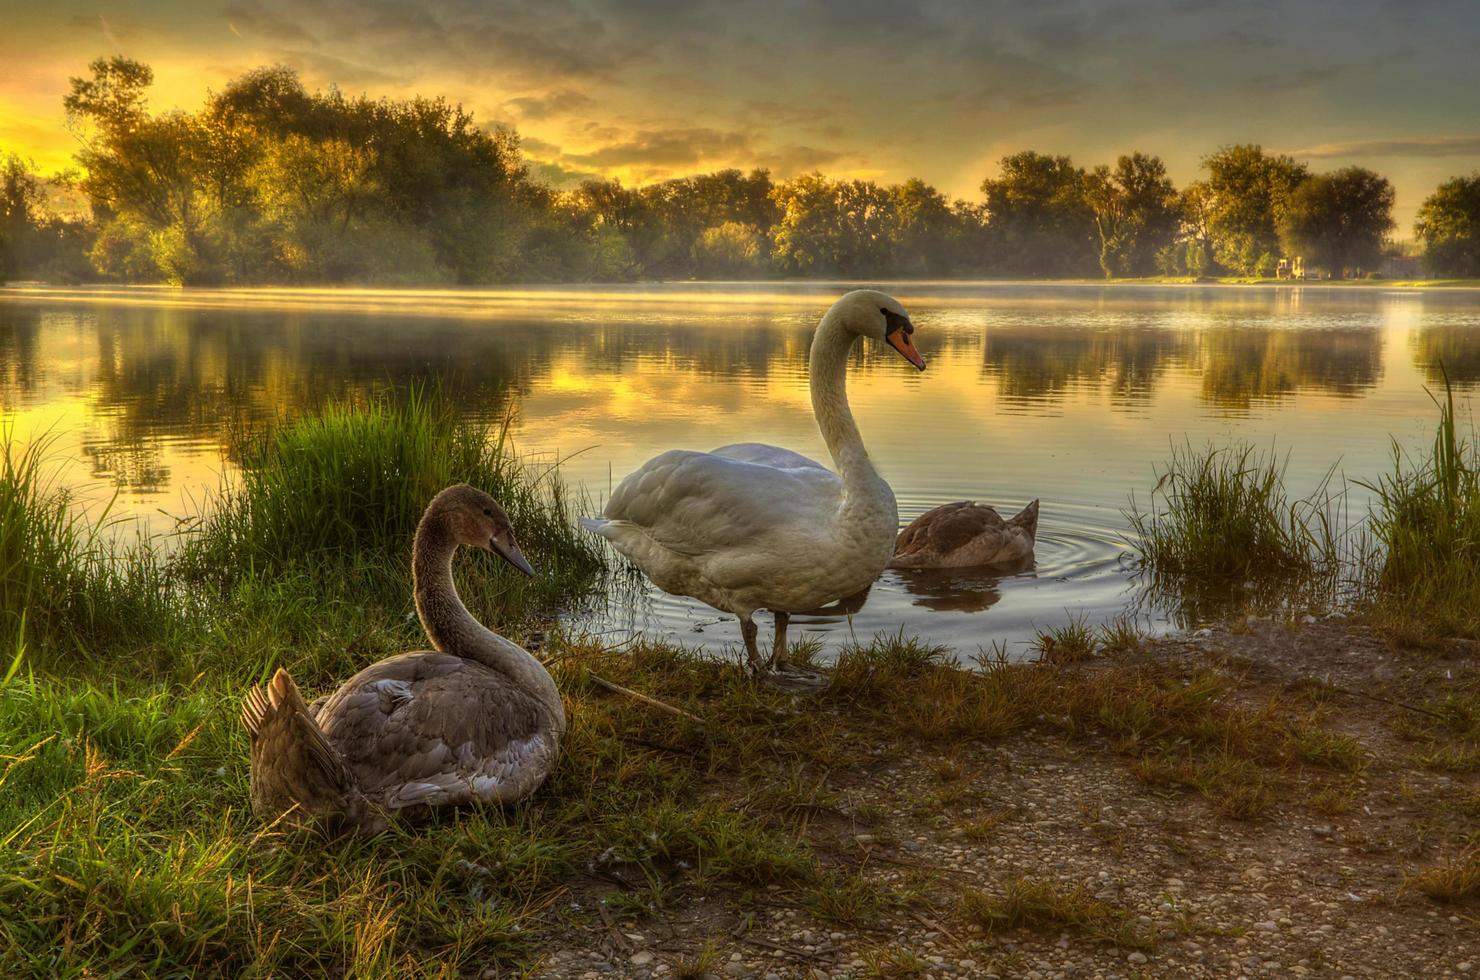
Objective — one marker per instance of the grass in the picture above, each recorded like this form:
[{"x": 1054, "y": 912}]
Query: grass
[
  {"x": 1071, "y": 642},
  {"x": 64, "y": 586},
  {"x": 1225, "y": 524},
  {"x": 126, "y": 830},
  {"x": 1027, "y": 903},
  {"x": 1222, "y": 534},
  {"x": 334, "y": 498},
  {"x": 1455, "y": 880},
  {"x": 1423, "y": 579}
]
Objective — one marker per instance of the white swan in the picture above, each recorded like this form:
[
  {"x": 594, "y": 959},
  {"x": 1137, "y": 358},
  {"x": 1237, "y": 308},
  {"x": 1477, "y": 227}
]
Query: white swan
[{"x": 751, "y": 526}]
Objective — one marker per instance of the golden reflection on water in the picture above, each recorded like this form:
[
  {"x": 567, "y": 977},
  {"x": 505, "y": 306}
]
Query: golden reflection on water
[{"x": 1068, "y": 393}]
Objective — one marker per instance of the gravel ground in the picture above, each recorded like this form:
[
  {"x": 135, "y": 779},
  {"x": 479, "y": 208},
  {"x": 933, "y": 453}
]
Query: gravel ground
[{"x": 1304, "y": 890}]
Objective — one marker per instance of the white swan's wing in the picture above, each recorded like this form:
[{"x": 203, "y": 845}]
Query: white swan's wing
[
  {"x": 697, "y": 504},
  {"x": 759, "y": 452}
]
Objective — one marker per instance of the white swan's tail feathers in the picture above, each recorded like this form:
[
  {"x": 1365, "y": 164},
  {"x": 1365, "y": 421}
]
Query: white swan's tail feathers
[{"x": 594, "y": 524}]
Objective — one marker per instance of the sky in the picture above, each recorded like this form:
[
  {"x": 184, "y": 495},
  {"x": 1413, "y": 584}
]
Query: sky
[{"x": 882, "y": 89}]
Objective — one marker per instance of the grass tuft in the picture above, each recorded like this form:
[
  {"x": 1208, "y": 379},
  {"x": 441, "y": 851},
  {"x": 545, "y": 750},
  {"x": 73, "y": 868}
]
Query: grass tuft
[
  {"x": 66, "y": 588},
  {"x": 1453, "y": 881},
  {"x": 1423, "y": 578},
  {"x": 1226, "y": 522},
  {"x": 1073, "y": 642},
  {"x": 1028, "y": 903},
  {"x": 324, "y": 491}
]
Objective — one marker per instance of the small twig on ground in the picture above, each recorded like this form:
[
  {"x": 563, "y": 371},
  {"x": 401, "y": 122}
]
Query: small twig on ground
[
  {"x": 930, "y": 923},
  {"x": 607, "y": 685},
  {"x": 790, "y": 950},
  {"x": 619, "y": 940},
  {"x": 1382, "y": 700}
]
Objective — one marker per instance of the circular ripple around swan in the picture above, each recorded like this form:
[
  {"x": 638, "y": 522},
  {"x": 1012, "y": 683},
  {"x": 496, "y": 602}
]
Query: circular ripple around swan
[{"x": 1080, "y": 569}]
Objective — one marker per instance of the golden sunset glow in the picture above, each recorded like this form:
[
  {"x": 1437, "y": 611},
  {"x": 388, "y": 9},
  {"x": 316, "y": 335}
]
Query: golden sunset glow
[{"x": 939, "y": 91}]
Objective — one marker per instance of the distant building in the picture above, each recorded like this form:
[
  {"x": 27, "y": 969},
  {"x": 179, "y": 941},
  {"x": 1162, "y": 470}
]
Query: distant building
[{"x": 1290, "y": 268}]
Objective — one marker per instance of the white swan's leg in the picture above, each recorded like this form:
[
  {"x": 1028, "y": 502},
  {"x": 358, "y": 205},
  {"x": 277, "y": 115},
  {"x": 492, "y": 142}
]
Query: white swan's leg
[
  {"x": 782, "y": 674},
  {"x": 749, "y": 631}
]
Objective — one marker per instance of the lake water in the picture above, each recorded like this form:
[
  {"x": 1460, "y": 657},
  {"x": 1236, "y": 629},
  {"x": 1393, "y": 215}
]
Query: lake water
[{"x": 1068, "y": 393}]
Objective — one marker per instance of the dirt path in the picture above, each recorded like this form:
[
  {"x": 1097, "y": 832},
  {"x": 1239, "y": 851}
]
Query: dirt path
[{"x": 1067, "y": 848}]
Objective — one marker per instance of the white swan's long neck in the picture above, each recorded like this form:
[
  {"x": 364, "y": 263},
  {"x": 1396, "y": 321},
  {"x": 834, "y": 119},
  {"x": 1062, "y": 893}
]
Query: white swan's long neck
[
  {"x": 452, "y": 629},
  {"x": 864, "y": 489}
]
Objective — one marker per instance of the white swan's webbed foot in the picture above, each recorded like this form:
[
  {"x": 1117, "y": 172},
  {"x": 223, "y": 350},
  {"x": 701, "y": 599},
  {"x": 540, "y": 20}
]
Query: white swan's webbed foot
[
  {"x": 796, "y": 679},
  {"x": 785, "y": 675}
]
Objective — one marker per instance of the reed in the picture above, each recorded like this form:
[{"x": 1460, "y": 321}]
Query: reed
[
  {"x": 66, "y": 586},
  {"x": 335, "y": 498},
  {"x": 1221, "y": 519},
  {"x": 1422, "y": 578}
]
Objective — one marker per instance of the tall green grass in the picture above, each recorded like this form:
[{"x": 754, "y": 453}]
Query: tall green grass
[
  {"x": 1424, "y": 575},
  {"x": 1221, "y": 518},
  {"x": 63, "y": 581},
  {"x": 334, "y": 499}
]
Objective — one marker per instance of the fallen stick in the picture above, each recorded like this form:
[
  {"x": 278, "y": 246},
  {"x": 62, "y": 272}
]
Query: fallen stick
[
  {"x": 607, "y": 685},
  {"x": 930, "y": 923},
  {"x": 1381, "y": 700},
  {"x": 799, "y": 953}
]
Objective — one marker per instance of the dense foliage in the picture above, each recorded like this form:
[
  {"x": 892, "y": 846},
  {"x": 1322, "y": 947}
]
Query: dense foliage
[
  {"x": 1338, "y": 221},
  {"x": 1449, "y": 228},
  {"x": 269, "y": 182}
]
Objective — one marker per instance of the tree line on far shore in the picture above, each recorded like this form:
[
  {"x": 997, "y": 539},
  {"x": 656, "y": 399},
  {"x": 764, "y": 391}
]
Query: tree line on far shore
[{"x": 271, "y": 183}]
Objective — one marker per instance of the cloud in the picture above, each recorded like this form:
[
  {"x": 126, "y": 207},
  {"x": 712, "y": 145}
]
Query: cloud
[
  {"x": 560, "y": 102},
  {"x": 1277, "y": 83},
  {"x": 252, "y": 17},
  {"x": 337, "y": 69},
  {"x": 559, "y": 177},
  {"x": 1433, "y": 146},
  {"x": 657, "y": 154},
  {"x": 787, "y": 161},
  {"x": 680, "y": 147}
]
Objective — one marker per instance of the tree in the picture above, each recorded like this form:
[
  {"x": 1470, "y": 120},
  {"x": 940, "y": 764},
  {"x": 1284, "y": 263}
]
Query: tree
[
  {"x": 1136, "y": 213},
  {"x": 1448, "y": 228},
  {"x": 729, "y": 251},
  {"x": 1038, "y": 222},
  {"x": 925, "y": 238},
  {"x": 113, "y": 99},
  {"x": 1338, "y": 221},
  {"x": 21, "y": 203},
  {"x": 1245, "y": 194}
]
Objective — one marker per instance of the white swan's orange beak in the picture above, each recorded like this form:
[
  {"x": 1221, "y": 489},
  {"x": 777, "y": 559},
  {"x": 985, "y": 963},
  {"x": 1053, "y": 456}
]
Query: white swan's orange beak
[
  {"x": 901, "y": 342},
  {"x": 509, "y": 552}
]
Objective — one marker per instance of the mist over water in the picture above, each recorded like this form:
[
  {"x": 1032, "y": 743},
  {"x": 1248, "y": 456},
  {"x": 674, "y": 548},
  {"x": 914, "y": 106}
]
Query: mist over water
[{"x": 1068, "y": 393}]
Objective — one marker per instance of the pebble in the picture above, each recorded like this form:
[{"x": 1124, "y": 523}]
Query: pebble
[{"x": 641, "y": 958}]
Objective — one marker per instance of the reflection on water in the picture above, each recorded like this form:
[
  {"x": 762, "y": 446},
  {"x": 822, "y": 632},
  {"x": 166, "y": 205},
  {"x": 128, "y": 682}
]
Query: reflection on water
[
  {"x": 1068, "y": 393},
  {"x": 1448, "y": 348},
  {"x": 966, "y": 590}
]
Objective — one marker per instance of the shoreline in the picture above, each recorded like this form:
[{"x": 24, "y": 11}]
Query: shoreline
[
  {"x": 23, "y": 287},
  {"x": 1263, "y": 799}
]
